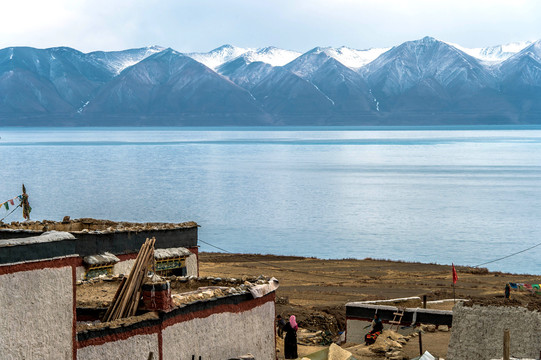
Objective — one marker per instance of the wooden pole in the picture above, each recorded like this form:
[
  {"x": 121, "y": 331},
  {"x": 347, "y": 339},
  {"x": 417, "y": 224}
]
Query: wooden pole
[
  {"x": 115, "y": 298},
  {"x": 420, "y": 344},
  {"x": 151, "y": 356},
  {"x": 129, "y": 292},
  {"x": 454, "y": 297},
  {"x": 133, "y": 281},
  {"x": 506, "y": 344},
  {"x": 115, "y": 312},
  {"x": 424, "y": 301}
]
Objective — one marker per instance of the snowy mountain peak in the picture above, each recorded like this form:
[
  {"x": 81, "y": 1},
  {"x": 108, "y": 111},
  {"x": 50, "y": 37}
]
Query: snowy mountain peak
[
  {"x": 529, "y": 56},
  {"x": 218, "y": 56},
  {"x": 425, "y": 42},
  {"x": 271, "y": 55},
  {"x": 534, "y": 51},
  {"x": 427, "y": 64},
  {"x": 169, "y": 51},
  {"x": 154, "y": 48},
  {"x": 428, "y": 40},
  {"x": 116, "y": 61},
  {"x": 494, "y": 54},
  {"x": 353, "y": 58}
]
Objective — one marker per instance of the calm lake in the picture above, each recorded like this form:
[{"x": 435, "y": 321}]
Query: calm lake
[{"x": 441, "y": 195}]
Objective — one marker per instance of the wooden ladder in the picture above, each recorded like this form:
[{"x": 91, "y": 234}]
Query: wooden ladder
[{"x": 397, "y": 319}]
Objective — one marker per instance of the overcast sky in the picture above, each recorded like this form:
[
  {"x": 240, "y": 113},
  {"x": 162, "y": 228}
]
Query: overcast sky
[{"x": 202, "y": 25}]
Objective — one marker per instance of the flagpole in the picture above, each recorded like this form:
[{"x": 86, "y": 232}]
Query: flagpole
[{"x": 455, "y": 278}]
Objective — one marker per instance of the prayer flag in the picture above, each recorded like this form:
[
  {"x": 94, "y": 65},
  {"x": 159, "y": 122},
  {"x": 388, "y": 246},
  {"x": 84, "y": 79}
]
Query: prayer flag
[
  {"x": 6, "y": 205},
  {"x": 455, "y": 276},
  {"x": 11, "y": 202}
]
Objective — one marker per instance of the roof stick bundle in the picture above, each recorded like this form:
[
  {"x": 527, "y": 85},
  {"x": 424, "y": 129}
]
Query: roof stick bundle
[{"x": 127, "y": 297}]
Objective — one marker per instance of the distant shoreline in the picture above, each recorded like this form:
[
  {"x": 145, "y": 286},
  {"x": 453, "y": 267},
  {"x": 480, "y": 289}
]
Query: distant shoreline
[
  {"x": 390, "y": 262},
  {"x": 287, "y": 127}
]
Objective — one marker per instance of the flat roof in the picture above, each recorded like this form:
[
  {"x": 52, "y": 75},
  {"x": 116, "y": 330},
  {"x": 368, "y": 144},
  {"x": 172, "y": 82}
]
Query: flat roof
[
  {"x": 91, "y": 225},
  {"x": 46, "y": 237}
]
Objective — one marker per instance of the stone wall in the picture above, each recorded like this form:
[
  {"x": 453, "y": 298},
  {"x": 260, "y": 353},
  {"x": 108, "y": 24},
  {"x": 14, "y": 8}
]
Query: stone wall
[
  {"x": 37, "y": 310},
  {"x": 478, "y": 332}
]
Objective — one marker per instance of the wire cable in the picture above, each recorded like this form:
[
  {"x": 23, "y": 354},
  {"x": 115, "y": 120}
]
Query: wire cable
[
  {"x": 381, "y": 278},
  {"x": 336, "y": 277},
  {"x": 11, "y": 212},
  {"x": 507, "y": 256}
]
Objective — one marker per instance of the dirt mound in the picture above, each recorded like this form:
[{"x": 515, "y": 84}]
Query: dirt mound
[{"x": 313, "y": 319}]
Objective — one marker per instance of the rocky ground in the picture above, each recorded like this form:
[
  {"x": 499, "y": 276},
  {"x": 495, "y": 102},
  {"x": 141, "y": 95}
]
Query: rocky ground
[{"x": 316, "y": 291}]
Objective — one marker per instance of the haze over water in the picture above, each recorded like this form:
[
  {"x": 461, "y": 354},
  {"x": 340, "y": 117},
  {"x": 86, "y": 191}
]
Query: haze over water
[{"x": 430, "y": 195}]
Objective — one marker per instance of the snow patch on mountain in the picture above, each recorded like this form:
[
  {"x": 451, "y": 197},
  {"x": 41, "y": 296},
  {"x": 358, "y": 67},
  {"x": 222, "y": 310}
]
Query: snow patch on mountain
[
  {"x": 533, "y": 51},
  {"x": 132, "y": 59},
  {"x": 354, "y": 59},
  {"x": 494, "y": 54},
  {"x": 218, "y": 56},
  {"x": 80, "y": 110},
  {"x": 116, "y": 61},
  {"x": 271, "y": 55},
  {"x": 318, "y": 89}
]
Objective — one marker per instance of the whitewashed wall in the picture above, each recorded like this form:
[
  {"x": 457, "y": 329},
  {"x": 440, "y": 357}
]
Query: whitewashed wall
[
  {"x": 191, "y": 265},
  {"x": 223, "y": 335},
  {"x": 80, "y": 272},
  {"x": 135, "y": 347},
  {"x": 356, "y": 330},
  {"x": 36, "y": 314},
  {"x": 478, "y": 332},
  {"x": 123, "y": 267}
]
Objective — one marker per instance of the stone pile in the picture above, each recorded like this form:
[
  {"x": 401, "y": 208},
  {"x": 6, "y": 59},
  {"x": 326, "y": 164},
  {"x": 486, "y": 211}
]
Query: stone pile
[
  {"x": 217, "y": 288},
  {"x": 390, "y": 343},
  {"x": 306, "y": 337}
]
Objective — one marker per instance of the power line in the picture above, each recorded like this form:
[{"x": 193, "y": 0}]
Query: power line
[
  {"x": 507, "y": 256},
  {"x": 264, "y": 263},
  {"x": 336, "y": 277},
  {"x": 381, "y": 278}
]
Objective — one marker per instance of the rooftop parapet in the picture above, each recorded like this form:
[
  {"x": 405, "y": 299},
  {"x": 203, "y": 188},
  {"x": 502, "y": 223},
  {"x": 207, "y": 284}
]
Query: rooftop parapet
[{"x": 98, "y": 236}]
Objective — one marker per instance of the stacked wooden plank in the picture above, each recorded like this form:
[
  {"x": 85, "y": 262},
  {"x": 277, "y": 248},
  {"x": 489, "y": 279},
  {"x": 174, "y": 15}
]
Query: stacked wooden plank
[{"x": 127, "y": 297}]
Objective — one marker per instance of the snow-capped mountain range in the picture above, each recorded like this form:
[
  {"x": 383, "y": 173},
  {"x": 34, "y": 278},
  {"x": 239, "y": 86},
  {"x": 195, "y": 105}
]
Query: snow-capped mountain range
[{"x": 425, "y": 81}]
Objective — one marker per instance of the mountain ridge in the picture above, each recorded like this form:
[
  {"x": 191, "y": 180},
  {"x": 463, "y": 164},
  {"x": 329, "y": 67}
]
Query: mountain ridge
[{"x": 419, "y": 82}]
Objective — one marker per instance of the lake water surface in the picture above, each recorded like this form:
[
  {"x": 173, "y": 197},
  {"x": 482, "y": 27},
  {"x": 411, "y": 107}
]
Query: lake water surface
[{"x": 466, "y": 196}]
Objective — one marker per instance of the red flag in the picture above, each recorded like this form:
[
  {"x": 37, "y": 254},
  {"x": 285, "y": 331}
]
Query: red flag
[
  {"x": 455, "y": 276},
  {"x": 12, "y": 202}
]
